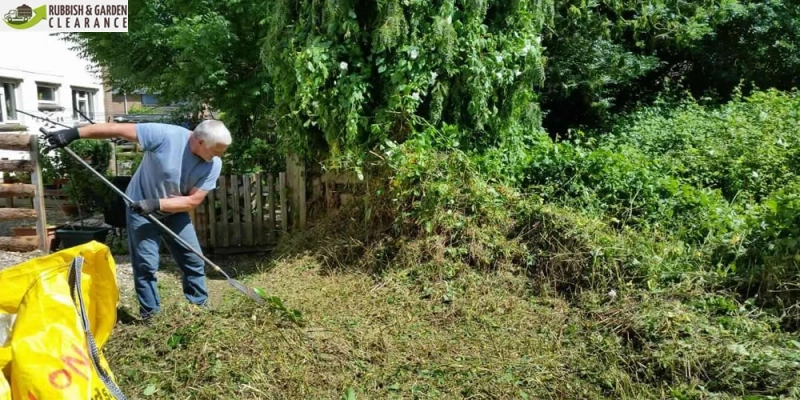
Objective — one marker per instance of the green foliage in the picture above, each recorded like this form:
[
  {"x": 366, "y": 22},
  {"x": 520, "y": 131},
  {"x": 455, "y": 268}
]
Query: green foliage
[
  {"x": 601, "y": 49},
  {"x": 605, "y": 56},
  {"x": 746, "y": 148},
  {"x": 622, "y": 184},
  {"x": 720, "y": 179},
  {"x": 349, "y": 75},
  {"x": 653, "y": 312},
  {"x": 765, "y": 258},
  {"x": 696, "y": 344},
  {"x": 139, "y": 110},
  {"x": 83, "y": 188},
  {"x": 758, "y": 45},
  {"x": 185, "y": 50}
]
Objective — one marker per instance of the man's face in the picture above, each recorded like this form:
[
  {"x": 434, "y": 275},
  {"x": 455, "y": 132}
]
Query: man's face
[{"x": 207, "y": 153}]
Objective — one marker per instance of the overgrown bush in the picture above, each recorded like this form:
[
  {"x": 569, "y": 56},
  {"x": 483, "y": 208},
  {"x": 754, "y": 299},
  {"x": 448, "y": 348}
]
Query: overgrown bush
[
  {"x": 670, "y": 275},
  {"x": 746, "y": 148},
  {"x": 765, "y": 258},
  {"x": 628, "y": 188},
  {"x": 347, "y": 75}
]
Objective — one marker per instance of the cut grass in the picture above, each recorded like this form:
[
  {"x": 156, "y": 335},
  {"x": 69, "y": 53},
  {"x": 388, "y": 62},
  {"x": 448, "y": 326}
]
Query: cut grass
[
  {"x": 480, "y": 337},
  {"x": 474, "y": 335}
]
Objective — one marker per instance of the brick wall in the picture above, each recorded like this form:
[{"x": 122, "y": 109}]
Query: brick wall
[{"x": 115, "y": 103}]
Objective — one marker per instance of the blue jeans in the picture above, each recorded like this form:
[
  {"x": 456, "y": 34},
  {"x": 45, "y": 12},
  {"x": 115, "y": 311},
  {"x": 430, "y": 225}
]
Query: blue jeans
[{"x": 143, "y": 240}]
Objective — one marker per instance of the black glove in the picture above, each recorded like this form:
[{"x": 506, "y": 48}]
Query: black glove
[
  {"x": 145, "y": 207},
  {"x": 61, "y": 138}
]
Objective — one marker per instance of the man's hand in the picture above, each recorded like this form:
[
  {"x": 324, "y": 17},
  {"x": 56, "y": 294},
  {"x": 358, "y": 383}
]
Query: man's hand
[
  {"x": 61, "y": 138},
  {"x": 146, "y": 207}
]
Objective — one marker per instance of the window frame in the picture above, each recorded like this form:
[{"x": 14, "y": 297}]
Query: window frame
[
  {"x": 91, "y": 104},
  {"x": 15, "y": 100},
  {"x": 53, "y": 87}
]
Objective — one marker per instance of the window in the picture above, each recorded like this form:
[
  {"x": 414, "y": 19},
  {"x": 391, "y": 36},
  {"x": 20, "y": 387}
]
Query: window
[
  {"x": 83, "y": 100},
  {"x": 47, "y": 94},
  {"x": 8, "y": 102},
  {"x": 149, "y": 100}
]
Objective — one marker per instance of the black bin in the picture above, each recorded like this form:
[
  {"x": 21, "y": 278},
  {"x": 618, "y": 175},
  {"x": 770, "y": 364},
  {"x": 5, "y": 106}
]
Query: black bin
[
  {"x": 76, "y": 235},
  {"x": 114, "y": 213}
]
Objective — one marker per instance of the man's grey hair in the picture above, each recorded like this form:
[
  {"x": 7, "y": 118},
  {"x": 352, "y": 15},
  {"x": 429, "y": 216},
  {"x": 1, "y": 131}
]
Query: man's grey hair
[{"x": 213, "y": 132}]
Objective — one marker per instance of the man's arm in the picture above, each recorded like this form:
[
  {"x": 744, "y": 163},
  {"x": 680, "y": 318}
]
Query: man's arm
[
  {"x": 183, "y": 203},
  {"x": 123, "y": 131}
]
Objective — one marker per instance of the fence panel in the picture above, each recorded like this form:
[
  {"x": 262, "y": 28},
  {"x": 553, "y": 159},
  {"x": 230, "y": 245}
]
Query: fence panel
[{"x": 241, "y": 213}]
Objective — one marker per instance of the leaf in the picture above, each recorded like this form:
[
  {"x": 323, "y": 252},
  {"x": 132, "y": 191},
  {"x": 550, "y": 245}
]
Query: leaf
[
  {"x": 738, "y": 349},
  {"x": 351, "y": 394},
  {"x": 150, "y": 390},
  {"x": 175, "y": 340}
]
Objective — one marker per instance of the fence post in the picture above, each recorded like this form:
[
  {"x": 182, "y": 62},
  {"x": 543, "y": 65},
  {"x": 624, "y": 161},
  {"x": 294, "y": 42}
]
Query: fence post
[
  {"x": 38, "y": 195},
  {"x": 296, "y": 185},
  {"x": 284, "y": 204}
]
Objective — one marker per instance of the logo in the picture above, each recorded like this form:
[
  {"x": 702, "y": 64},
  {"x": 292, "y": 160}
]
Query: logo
[
  {"x": 24, "y": 17},
  {"x": 65, "y": 16}
]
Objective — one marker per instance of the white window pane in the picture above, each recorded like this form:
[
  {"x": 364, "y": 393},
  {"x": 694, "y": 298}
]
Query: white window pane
[
  {"x": 46, "y": 93},
  {"x": 9, "y": 101}
]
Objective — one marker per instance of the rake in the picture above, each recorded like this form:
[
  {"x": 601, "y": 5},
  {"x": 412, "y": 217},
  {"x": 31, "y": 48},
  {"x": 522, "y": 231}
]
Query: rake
[{"x": 233, "y": 282}]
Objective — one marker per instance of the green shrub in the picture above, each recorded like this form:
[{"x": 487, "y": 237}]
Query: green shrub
[
  {"x": 746, "y": 148},
  {"x": 626, "y": 186},
  {"x": 721, "y": 180},
  {"x": 765, "y": 258},
  {"x": 83, "y": 187}
]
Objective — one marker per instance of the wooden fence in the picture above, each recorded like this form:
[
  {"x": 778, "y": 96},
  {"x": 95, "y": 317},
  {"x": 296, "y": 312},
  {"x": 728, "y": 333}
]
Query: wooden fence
[
  {"x": 18, "y": 141},
  {"x": 245, "y": 213}
]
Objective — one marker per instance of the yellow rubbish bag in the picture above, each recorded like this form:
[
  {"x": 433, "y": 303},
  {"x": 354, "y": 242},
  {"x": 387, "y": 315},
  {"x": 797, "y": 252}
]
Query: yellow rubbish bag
[{"x": 62, "y": 309}]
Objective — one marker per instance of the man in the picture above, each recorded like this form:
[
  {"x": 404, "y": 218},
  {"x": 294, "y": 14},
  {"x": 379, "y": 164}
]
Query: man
[{"x": 178, "y": 168}]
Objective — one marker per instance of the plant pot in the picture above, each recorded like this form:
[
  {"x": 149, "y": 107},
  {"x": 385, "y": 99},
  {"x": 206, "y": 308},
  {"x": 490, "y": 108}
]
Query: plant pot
[
  {"x": 71, "y": 236},
  {"x": 18, "y": 231},
  {"x": 31, "y": 230}
]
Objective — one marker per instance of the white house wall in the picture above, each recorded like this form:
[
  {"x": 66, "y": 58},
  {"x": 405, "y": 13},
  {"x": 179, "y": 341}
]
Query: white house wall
[{"x": 33, "y": 58}]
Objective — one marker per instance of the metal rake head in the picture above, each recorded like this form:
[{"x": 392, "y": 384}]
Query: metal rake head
[{"x": 246, "y": 290}]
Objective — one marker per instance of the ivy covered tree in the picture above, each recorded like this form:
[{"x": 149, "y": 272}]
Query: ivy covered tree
[{"x": 350, "y": 74}]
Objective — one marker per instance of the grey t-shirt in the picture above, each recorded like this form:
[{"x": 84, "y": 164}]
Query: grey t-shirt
[{"x": 168, "y": 167}]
